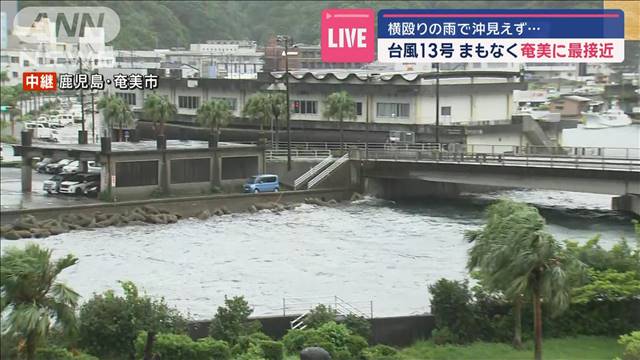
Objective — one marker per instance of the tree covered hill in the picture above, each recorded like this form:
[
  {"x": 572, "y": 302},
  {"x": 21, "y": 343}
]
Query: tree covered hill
[{"x": 164, "y": 24}]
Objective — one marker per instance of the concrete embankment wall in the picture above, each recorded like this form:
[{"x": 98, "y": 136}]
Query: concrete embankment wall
[
  {"x": 394, "y": 331},
  {"x": 185, "y": 206}
]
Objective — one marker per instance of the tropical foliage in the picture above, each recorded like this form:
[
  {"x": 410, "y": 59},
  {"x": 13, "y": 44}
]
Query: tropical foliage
[
  {"x": 267, "y": 109},
  {"x": 164, "y": 24},
  {"x": 232, "y": 320},
  {"x": 340, "y": 106},
  {"x": 109, "y": 324},
  {"x": 159, "y": 110},
  {"x": 32, "y": 301},
  {"x": 115, "y": 112},
  {"x": 515, "y": 254},
  {"x": 214, "y": 114}
]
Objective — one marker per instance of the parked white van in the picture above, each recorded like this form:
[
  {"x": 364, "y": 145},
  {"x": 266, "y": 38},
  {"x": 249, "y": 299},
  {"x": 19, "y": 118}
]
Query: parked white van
[
  {"x": 65, "y": 119},
  {"x": 42, "y": 132}
]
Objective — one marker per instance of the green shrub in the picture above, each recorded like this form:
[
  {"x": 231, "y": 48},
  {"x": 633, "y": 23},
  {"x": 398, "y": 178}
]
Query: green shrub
[
  {"x": 452, "y": 306},
  {"x": 272, "y": 350},
  {"x": 232, "y": 320},
  {"x": 355, "y": 344},
  {"x": 342, "y": 354},
  {"x": 294, "y": 340},
  {"x": 246, "y": 341},
  {"x": 358, "y": 325},
  {"x": 109, "y": 324},
  {"x": 380, "y": 352},
  {"x": 218, "y": 349},
  {"x": 319, "y": 316},
  {"x": 337, "y": 334},
  {"x": 631, "y": 345},
  {"x": 178, "y": 347},
  {"x": 59, "y": 353},
  {"x": 443, "y": 336}
]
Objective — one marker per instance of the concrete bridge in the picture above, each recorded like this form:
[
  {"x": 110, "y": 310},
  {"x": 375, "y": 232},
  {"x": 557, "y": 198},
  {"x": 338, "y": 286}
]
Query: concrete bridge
[{"x": 397, "y": 173}]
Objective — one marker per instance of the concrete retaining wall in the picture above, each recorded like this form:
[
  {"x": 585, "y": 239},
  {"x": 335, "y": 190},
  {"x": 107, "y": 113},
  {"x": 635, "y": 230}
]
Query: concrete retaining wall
[
  {"x": 394, "y": 331},
  {"x": 186, "y": 206}
]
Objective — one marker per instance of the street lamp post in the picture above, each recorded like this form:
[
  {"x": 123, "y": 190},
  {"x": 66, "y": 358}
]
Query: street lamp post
[
  {"x": 286, "y": 83},
  {"x": 437, "y": 103},
  {"x": 93, "y": 118}
]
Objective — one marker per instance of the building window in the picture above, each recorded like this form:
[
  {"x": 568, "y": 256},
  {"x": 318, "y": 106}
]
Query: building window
[
  {"x": 25, "y": 62},
  {"x": 445, "y": 110},
  {"x": 62, "y": 61},
  {"x": 188, "y": 102},
  {"x": 15, "y": 59},
  {"x": 232, "y": 102},
  {"x": 15, "y": 74},
  {"x": 400, "y": 110},
  {"x": 4, "y": 59},
  {"x": 358, "y": 109},
  {"x": 305, "y": 107},
  {"x": 129, "y": 98}
]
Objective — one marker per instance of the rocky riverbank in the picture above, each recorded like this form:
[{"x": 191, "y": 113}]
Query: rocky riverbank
[{"x": 28, "y": 226}]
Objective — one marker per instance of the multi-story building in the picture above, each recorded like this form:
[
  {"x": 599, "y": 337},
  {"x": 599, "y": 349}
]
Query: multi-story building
[
  {"x": 231, "y": 59},
  {"x": 301, "y": 57},
  {"x": 42, "y": 52},
  {"x": 466, "y": 96},
  {"x": 551, "y": 72}
]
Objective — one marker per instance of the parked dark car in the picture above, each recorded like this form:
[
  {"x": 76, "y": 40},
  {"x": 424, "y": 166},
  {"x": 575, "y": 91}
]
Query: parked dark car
[
  {"x": 41, "y": 166},
  {"x": 56, "y": 167},
  {"x": 53, "y": 184},
  {"x": 93, "y": 189}
]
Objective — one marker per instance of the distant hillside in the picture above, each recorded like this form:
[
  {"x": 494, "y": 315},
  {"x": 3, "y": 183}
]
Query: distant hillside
[{"x": 151, "y": 24}]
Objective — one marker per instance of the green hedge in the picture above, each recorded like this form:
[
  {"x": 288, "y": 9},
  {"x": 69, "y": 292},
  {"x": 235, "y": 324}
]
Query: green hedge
[
  {"x": 58, "y": 353},
  {"x": 337, "y": 339},
  {"x": 272, "y": 350},
  {"x": 179, "y": 347}
]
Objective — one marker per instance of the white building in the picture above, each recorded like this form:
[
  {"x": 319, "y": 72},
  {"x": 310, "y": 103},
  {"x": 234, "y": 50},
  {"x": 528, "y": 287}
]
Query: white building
[
  {"x": 42, "y": 52},
  {"x": 395, "y": 98},
  {"x": 548, "y": 72},
  {"x": 230, "y": 59}
]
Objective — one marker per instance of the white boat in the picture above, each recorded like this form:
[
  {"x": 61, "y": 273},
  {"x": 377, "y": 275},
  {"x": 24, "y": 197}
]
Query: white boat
[
  {"x": 543, "y": 115},
  {"x": 609, "y": 118}
]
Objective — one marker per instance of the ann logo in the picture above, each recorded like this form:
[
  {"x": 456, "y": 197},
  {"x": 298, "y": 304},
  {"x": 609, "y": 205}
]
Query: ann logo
[{"x": 71, "y": 28}]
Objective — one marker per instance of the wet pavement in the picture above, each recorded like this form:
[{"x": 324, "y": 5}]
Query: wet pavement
[{"x": 12, "y": 198}]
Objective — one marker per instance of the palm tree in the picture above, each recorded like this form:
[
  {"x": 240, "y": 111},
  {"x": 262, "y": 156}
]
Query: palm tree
[
  {"x": 4, "y": 77},
  {"x": 214, "y": 114},
  {"x": 278, "y": 102},
  {"x": 31, "y": 298},
  {"x": 115, "y": 111},
  {"x": 516, "y": 255},
  {"x": 10, "y": 98},
  {"x": 258, "y": 107},
  {"x": 482, "y": 253},
  {"x": 159, "y": 110},
  {"x": 340, "y": 105}
]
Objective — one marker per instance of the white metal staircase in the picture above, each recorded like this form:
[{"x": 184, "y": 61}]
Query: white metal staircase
[
  {"x": 341, "y": 308},
  {"x": 326, "y": 172},
  {"x": 312, "y": 172}
]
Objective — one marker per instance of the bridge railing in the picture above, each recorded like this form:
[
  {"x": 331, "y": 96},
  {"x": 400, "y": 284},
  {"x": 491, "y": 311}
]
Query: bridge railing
[
  {"x": 506, "y": 159},
  {"x": 492, "y": 149},
  {"x": 309, "y": 154}
]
